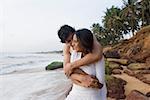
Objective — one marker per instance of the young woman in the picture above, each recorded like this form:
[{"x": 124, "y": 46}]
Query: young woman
[{"x": 82, "y": 45}]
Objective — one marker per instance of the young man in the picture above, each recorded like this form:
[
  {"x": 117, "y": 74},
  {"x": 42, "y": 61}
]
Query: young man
[{"x": 65, "y": 34}]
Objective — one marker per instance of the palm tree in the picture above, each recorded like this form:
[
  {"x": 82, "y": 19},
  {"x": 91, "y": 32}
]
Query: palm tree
[
  {"x": 99, "y": 32},
  {"x": 143, "y": 9},
  {"x": 113, "y": 23},
  {"x": 96, "y": 28},
  {"x": 129, "y": 15}
]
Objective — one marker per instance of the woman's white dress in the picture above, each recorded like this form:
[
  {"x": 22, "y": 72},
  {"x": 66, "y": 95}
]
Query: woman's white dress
[{"x": 82, "y": 93}]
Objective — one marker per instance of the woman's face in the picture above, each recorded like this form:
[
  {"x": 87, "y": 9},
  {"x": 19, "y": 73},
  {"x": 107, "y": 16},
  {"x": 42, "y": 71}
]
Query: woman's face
[{"x": 76, "y": 44}]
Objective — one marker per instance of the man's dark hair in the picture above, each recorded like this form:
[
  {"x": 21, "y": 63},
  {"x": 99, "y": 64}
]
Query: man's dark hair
[
  {"x": 64, "y": 32},
  {"x": 85, "y": 37}
]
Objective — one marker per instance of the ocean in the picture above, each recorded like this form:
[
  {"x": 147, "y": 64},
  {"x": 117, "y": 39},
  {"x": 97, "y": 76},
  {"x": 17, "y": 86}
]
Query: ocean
[
  {"x": 23, "y": 77},
  {"x": 14, "y": 62}
]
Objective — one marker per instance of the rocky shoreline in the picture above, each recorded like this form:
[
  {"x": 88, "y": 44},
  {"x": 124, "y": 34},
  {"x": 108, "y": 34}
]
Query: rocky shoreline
[{"x": 132, "y": 58}]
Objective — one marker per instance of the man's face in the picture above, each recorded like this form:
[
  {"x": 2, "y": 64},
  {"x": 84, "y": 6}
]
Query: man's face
[{"x": 69, "y": 39}]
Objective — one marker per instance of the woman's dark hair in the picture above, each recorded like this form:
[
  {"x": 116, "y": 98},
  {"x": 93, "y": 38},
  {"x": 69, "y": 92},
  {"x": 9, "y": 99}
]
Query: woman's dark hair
[
  {"x": 64, "y": 32},
  {"x": 85, "y": 38}
]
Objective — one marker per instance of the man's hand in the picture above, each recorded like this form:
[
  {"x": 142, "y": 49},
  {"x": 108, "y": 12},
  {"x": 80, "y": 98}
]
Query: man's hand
[
  {"x": 86, "y": 80},
  {"x": 91, "y": 82},
  {"x": 81, "y": 78},
  {"x": 68, "y": 70}
]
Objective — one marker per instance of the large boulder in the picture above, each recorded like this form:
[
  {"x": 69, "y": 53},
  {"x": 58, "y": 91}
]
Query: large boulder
[
  {"x": 116, "y": 71},
  {"x": 54, "y": 65},
  {"x": 115, "y": 87},
  {"x": 143, "y": 78},
  {"x": 129, "y": 72},
  {"x": 144, "y": 72},
  {"x": 119, "y": 61},
  {"x": 148, "y": 94},
  {"x": 111, "y": 54},
  {"x": 114, "y": 65},
  {"x": 136, "y": 95},
  {"x": 138, "y": 66},
  {"x": 148, "y": 61}
]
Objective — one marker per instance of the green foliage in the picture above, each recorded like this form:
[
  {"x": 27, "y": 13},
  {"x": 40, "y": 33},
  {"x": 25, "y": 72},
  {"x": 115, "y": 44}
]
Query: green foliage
[
  {"x": 103, "y": 35},
  {"x": 113, "y": 29},
  {"x": 143, "y": 8},
  {"x": 108, "y": 70},
  {"x": 120, "y": 21},
  {"x": 129, "y": 15},
  {"x": 54, "y": 65},
  {"x": 108, "y": 78}
]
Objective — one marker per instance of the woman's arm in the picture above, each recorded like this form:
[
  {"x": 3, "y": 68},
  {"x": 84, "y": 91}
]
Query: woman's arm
[
  {"x": 87, "y": 59},
  {"x": 90, "y": 57}
]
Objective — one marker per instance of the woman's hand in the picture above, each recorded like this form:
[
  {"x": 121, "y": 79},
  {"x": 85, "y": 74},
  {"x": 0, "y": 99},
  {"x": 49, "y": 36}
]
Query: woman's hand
[{"x": 68, "y": 70}]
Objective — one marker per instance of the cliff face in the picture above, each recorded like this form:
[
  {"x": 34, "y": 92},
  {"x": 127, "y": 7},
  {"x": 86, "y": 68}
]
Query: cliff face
[{"x": 137, "y": 48}]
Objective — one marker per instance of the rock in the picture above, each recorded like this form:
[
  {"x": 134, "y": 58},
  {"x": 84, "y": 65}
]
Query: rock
[
  {"x": 138, "y": 66},
  {"x": 120, "y": 61},
  {"x": 148, "y": 94},
  {"x": 144, "y": 72},
  {"x": 142, "y": 78},
  {"x": 114, "y": 65},
  {"x": 129, "y": 72},
  {"x": 145, "y": 80},
  {"x": 148, "y": 61},
  {"x": 116, "y": 71},
  {"x": 54, "y": 65},
  {"x": 115, "y": 87},
  {"x": 141, "y": 56},
  {"x": 135, "y": 49},
  {"x": 111, "y": 54},
  {"x": 139, "y": 76},
  {"x": 136, "y": 95}
]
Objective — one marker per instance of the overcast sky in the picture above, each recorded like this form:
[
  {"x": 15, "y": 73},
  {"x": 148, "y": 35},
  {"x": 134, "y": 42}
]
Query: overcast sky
[{"x": 32, "y": 25}]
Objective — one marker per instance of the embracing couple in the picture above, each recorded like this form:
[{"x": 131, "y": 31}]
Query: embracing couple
[{"x": 83, "y": 64}]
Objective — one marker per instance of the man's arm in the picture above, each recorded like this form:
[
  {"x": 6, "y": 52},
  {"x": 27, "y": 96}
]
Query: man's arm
[
  {"x": 86, "y": 81},
  {"x": 96, "y": 54},
  {"x": 66, "y": 53}
]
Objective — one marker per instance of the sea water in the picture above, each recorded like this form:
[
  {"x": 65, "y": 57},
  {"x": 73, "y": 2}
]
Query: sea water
[
  {"x": 13, "y": 62},
  {"x": 23, "y": 77}
]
